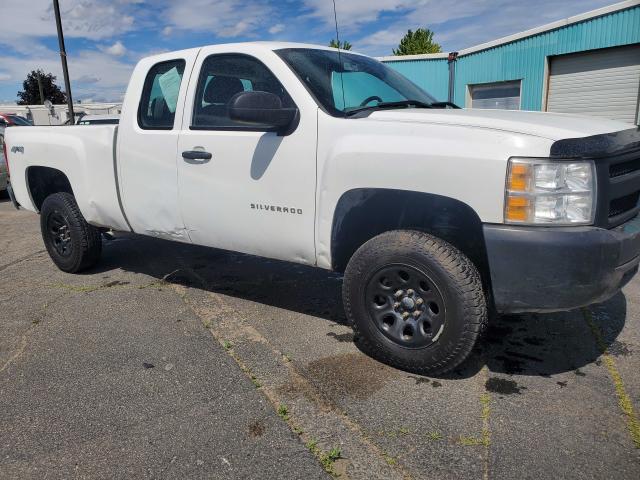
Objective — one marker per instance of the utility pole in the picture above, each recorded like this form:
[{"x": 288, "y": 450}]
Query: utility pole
[
  {"x": 63, "y": 57},
  {"x": 40, "y": 89}
]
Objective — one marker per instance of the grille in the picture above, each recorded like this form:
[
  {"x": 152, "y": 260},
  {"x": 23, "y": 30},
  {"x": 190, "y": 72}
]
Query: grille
[
  {"x": 623, "y": 204},
  {"x": 622, "y": 189},
  {"x": 624, "y": 168}
]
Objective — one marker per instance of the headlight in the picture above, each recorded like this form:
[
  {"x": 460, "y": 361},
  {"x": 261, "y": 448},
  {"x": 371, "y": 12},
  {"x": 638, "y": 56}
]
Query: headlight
[{"x": 542, "y": 191}]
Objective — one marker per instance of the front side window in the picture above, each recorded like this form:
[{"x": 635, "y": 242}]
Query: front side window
[
  {"x": 159, "y": 100},
  {"x": 221, "y": 78},
  {"x": 346, "y": 82}
]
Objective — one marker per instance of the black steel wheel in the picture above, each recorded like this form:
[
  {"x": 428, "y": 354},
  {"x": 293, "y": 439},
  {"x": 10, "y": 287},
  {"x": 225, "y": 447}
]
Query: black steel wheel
[
  {"x": 406, "y": 305},
  {"x": 71, "y": 242},
  {"x": 59, "y": 234},
  {"x": 415, "y": 301}
]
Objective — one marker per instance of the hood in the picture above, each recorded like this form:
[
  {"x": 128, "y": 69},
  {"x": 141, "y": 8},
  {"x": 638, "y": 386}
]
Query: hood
[{"x": 554, "y": 126}]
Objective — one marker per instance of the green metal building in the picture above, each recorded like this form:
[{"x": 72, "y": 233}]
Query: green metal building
[{"x": 588, "y": 64}]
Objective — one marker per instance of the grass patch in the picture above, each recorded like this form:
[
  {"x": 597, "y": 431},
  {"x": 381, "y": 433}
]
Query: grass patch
[
  {"x": 327, "y": 459},
  {"x": 471, "y": 441},
  {"x": 312, "y": 446},
  {"x": 434, "y": 436},
  {"x": 255, "y": 381},
  {"x": 227, "y": 345},
  {"x": 390, "y": 460},
  {"x": 283, "y": 411},
  {"x": 485, "y": 400},
  {"x": 78, "y": 288}
]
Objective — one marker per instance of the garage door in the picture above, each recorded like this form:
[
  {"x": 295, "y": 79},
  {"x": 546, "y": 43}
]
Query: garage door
[{"x": 604, "y": 83}]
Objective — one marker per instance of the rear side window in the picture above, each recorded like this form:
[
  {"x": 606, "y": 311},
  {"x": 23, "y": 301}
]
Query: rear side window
[{"x": 159, "y": 100}]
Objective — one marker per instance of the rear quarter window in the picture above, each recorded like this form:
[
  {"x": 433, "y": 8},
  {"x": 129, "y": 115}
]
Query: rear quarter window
[{"x": 159, "y": 99}]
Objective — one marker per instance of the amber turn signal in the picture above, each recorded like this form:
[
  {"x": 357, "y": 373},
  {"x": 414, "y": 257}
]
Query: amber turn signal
[
  {"x": 517, "y": 208},
  {"x": 519, "y": 177}
]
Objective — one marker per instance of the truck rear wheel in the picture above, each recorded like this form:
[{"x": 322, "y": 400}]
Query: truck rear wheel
[
  {"x": 72, "y": 243},
  {"x": 415, "y": 301}
]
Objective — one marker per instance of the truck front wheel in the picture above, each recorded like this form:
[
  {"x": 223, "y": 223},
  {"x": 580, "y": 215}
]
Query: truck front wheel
[
  {"x": 72, "y": 243},
  {"x": 415, "y": 301}
]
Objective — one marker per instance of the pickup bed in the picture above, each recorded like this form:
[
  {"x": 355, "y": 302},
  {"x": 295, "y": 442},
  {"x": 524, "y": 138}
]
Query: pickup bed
[{"x": 332, "y": 159}]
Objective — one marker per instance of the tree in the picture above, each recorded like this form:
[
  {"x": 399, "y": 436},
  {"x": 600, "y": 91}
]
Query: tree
[
  {"x": 50, "y": 91},
  {"x": 342, "y": 45},
  {"x": 418, "y": 42}
]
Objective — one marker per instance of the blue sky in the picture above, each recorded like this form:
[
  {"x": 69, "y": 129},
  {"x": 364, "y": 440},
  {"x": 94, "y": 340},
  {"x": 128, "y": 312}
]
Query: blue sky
[{"x": 105, "y": 38}]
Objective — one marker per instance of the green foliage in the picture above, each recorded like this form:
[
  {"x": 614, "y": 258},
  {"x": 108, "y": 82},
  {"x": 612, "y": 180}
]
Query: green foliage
[
  {"x": 418, "y": 42},
  {"x": 283, "y": 411},
  {"x": 341, "y": 45},
  {"x": 327, "y": 459},
  {"x": 31, "y": 93}
]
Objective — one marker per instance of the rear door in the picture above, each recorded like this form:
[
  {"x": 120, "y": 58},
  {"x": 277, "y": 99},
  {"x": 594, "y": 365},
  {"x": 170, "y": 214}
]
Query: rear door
[
  {"x": 257, "y": 192},
  {"x": 147, "y": 144}
]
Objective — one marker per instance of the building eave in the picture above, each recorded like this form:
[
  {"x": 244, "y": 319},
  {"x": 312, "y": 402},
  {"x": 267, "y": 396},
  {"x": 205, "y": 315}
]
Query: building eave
[{"x": 518, "y": 36}]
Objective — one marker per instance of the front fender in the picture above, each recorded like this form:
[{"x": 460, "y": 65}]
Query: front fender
[{"x": 462, "y": 163}]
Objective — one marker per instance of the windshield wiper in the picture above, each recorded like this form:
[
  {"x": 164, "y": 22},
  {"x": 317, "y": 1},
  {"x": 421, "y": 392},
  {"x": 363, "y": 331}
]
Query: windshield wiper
[{"x": 386, "y": 105}]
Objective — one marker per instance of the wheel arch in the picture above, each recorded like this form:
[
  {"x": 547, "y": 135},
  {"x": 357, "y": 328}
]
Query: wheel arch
[
  {"x": 364, "y": 213},
  {"x": 44, "y": 181}
]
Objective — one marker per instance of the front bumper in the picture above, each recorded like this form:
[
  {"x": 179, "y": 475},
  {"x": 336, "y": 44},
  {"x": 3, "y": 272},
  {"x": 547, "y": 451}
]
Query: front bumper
[{"x": 546, "y": 269}]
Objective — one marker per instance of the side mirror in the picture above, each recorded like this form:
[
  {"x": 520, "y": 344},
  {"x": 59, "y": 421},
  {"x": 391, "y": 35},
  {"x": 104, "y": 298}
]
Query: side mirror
[{"x": 262, "y": 108}]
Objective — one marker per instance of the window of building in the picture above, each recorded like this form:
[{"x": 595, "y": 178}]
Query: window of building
[
  {"x": 159, "y": 99},
  {"x": 499, "y": 95},
  {"x": 222, "y": 77}
]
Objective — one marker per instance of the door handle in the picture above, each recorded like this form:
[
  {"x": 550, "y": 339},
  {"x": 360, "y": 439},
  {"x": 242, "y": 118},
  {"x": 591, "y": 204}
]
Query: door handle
[{"x": 196, "y": 155}]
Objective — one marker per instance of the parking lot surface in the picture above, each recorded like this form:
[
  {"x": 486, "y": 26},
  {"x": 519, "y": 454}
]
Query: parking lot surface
[{"x": 170, "y": 360}]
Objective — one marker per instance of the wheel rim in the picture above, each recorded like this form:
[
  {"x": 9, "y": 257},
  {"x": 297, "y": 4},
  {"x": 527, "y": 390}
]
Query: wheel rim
[
  {"x": 59, "y": 234},
  {"x": 406, "y": 305}
]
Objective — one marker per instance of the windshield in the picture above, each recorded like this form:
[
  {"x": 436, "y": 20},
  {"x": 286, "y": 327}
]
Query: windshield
[
  {"x": 347, "y": 82},
  {"x": 18, "y": 121}
]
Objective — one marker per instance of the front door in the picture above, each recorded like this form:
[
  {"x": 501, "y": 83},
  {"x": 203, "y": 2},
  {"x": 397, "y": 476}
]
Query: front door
[{"x": 256, "y": 192}]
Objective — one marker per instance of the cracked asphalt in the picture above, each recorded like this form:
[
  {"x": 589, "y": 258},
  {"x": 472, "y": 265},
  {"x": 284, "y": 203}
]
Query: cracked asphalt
[{"x": 175, "y": 361}]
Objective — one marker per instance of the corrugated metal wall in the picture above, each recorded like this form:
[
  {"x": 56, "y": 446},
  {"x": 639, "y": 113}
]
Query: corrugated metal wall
[
  {"x": 431, "y": 75},
  {"x": 524, "y": 59}
]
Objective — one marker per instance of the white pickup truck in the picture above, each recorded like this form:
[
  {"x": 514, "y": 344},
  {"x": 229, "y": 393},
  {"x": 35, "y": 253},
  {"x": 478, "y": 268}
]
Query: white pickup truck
[{"x": 332, "y": 159}]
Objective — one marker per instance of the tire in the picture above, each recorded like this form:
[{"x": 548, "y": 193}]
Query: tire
[
  {"x": 415, "y": 302},
  {"x": 72, "y": 243}
]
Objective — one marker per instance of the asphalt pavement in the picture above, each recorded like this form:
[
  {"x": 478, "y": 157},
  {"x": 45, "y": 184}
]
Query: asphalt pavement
[{"x": 174, "y": 361}]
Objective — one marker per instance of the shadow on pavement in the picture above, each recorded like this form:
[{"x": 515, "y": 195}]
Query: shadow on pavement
[
  {"x": 528, "y": 344},
  {"x": 294, "y": 287},
  {"x": 545, "y": 344}
]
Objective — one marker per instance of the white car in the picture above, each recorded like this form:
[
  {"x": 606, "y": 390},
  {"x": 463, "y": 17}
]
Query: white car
[
  {"x": 98, "y": 120},
  {"x": 333, "y": 159}
]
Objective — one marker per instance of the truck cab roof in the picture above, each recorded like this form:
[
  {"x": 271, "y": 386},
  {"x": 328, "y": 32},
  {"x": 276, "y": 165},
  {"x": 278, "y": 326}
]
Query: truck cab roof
[{"x": 258, "y": 46}]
